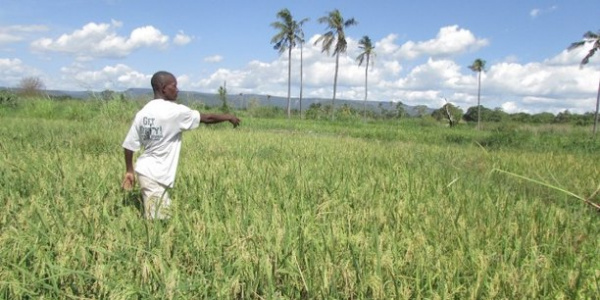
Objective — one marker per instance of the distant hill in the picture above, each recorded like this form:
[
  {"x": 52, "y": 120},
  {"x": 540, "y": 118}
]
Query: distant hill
[{"x": 239, "y": 101}]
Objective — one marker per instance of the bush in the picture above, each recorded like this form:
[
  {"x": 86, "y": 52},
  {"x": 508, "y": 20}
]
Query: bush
[{"x": 7, "y": 98}]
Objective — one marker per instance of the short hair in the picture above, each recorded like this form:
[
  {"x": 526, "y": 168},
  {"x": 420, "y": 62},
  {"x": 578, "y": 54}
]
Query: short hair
[{"x": 158, "y": 80}]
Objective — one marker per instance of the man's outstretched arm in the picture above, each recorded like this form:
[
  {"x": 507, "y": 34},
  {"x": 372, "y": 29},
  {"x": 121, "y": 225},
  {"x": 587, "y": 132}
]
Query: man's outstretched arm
[{"x": 218, "y": 118}]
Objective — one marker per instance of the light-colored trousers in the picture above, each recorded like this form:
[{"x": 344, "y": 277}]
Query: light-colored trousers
[{"x": 156, "y": 198}]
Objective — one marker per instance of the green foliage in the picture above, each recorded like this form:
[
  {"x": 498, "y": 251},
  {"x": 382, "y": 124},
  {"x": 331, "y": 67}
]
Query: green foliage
[
  {"x": 298, "y": 209},
  {"x": 7, "y": 99},
  {"x": 108, "y": 95},
  {"x": 487, "y": 115},
  {"x": 223, "y": 97},
  {"x": 448, "y": 113},
  {"x": 472, "y": 113},
  {"x": 318, "y": 111},
  {"x": 542, "y": 118},
  {"x": 400, "y": 110}
]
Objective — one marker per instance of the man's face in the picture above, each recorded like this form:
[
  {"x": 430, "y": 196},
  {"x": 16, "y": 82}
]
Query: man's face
[{"x": 170, "y": 89}]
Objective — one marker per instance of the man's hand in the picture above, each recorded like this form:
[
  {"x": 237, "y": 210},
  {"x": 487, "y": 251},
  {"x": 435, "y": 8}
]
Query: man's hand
[
  {"x": 128, "y": 181},
  {"x": 234, "y": 121}
]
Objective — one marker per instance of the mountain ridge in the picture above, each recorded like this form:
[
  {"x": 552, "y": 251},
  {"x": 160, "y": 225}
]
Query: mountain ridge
[{"x": 242, "y": 100}]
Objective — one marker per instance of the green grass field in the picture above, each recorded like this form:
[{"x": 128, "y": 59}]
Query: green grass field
[{"x": 293, "y": 209}]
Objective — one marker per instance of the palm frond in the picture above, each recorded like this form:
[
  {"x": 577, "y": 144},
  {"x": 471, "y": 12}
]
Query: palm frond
[
  {"x": 588, "y": 37},
  {"x": 350, "y": 22},
  {"x": 591, "y": 36},
  {"x": 360, "y": 58},
  {"x": 478, "y": 65},
  {"x": 575, "y": 45},
  {"x": 586, "y": 59}
]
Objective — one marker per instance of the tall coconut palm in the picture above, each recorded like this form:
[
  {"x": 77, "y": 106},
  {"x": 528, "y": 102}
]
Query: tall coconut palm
[
  {"x": 594, "y": 39},
  {"x": 335, "y": 25},
  {"x": 300, "y": 39},
  {"x": 478, "y": 66},
  {"x": 284, "y": 40},
  {"x": 368, "y": 50}
]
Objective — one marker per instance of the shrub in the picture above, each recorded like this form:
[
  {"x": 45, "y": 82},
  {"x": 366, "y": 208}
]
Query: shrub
[{"x": 7, "y": 98}]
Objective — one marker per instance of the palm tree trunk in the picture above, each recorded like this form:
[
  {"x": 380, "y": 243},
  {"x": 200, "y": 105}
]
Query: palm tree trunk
[
  {"x": 289, "y": 81},
  {"x": 596, "y": 113},
  {"x": 301, "y": 80},
  {"x": 479, "y": 100},
  {"x": 335, "y": 77},
  {"x": 366, "y": 90}
]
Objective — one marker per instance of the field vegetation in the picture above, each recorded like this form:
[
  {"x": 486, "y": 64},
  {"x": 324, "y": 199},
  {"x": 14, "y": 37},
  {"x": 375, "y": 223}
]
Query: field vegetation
[{"x": 295, "y": 208}]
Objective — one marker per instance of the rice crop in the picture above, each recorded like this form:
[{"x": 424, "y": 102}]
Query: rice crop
[{"x": 298, "y": 209}]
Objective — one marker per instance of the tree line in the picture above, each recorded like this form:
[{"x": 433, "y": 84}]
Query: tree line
[
  {"x": 450, "y": 114},
  {"x": 290, "y": 35}
]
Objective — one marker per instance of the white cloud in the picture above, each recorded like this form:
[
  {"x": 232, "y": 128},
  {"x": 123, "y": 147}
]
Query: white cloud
[
  {"x": 17, "y": 33},
  {"x": 541, "y": 79},
  {"x": 387, "y": 46},
  {"x": 183, "y": 82},
  {"x": 510, "y": 107},
  {"x": 182, "y": 39},
  {"x": 450, "y": 40},
  {"x": 118, "y": 77},
  {"x": 7, "y": 38},
  {"x": 102, "y": 41},
  {"x": 434, "y": 73},
  {"x": 13, "y": 70},
  {"x": 213, "y": 58},
  {"x": 536, "y": 12}
]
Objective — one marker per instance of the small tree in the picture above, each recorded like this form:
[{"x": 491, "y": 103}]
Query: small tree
[
  {"x": 400, "y": 110},
  {"x": 7, "y": 98},
  {"x": 223, "y": 97},
  {"x": 563, "y": 117},
  {"x": 107, "y": 95},
  {"x": 448, "y": 112},
  {"x": 421, "y": 110},
  {"x": 477, "y": 113},
  {"x": 31, "y": 86}
]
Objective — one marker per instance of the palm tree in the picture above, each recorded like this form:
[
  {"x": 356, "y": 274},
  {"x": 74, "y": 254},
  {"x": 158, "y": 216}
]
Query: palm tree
[
  {"x": 300, "y": 39},
  {"x": 478, "y": 66},
  {"x": 285, "y": 39},
  {"x": 367, "y": 51},
  {"x": 336, "y": 25},
  {"x": 594, "y": 39}
]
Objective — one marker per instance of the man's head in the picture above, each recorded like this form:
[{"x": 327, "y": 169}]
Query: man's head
[{"x": 164, "y": 85}]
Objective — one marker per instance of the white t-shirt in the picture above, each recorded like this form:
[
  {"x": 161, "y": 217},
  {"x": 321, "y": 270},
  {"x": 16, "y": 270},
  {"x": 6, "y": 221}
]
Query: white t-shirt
[{"x": 157, "y": 128}]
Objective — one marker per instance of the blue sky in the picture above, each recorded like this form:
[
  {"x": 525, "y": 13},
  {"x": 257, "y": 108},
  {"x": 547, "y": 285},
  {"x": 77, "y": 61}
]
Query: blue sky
[{"x": 423, "y": 49}]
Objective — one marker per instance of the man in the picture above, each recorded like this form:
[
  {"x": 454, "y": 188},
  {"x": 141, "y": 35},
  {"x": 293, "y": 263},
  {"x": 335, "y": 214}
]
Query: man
[{"x": 157, "y": 128}]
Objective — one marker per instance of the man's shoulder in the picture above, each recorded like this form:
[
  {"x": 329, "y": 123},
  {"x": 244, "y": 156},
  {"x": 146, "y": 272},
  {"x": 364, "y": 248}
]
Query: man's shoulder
[
  {"x": 165, "y": 104},
  {"x": 159, "y": 107}
]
